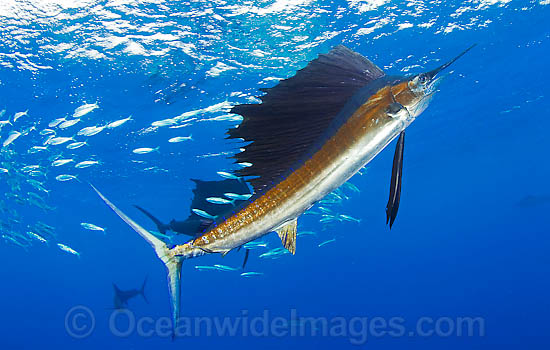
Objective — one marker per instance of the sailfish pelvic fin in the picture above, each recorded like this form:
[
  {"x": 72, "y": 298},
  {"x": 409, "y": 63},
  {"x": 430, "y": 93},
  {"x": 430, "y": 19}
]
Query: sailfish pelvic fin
[
  {"x": 287, "y": 233},
  {"x": 172, "y": 263}
]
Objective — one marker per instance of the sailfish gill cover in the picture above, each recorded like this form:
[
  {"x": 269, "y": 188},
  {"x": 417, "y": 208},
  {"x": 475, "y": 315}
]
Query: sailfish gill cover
[{"x": 192, "y": 110}]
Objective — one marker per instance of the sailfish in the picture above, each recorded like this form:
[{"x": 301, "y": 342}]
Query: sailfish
[{"x": 308, "y": 136}]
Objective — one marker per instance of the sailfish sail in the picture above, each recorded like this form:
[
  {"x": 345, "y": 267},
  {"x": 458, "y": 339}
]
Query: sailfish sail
[{"x": 297, "y": 112}]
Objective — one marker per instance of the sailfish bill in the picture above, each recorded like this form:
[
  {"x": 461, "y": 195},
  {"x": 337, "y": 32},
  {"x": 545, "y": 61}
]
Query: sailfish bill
[{"x": 307, "y": 137}]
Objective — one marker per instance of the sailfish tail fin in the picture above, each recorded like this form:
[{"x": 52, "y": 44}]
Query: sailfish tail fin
[{"x": 172, "y": 263}]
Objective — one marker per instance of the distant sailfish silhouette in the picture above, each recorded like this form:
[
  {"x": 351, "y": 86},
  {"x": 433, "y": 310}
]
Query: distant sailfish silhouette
[
  {"x": 307, "y": 137},
  {"x": 122, "y": 297},
  {"x": 195, "y": 224}
]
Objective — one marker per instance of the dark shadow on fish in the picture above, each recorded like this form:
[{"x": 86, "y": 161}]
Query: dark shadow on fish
[
  {"x": 396, "y": 179},
  {"x": 187, "y": 227},
  {"x": 122, "y": 297},
  {"x": 162, "y": 228},
  {"x": 195, "y": 224}
]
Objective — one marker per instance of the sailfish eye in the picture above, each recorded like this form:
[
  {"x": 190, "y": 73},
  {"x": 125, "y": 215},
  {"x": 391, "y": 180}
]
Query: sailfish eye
[{"x": 423, "y": 79}]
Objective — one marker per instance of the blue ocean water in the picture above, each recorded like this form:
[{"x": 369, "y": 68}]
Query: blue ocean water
[{"x": 470, "y": 241}]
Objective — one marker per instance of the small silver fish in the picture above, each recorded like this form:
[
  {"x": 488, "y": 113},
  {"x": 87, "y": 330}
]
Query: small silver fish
[
  {"x": 254, "y": 245},
  {"x": 28, "y": 130},
  {"x": 145, "y": 150},
  {"x": 179, "y": 126},
  {"x": 47, "y": 132},
  {"x": 203, "y": 214},
  {"x": 86, "y": 163},
  {"x": 306, "y": 233},
  {"x": 45, "y": 226},
  {"x": 34, "y": 182},
  {"x": 56, "y": 122},
  {"x": 36, "y": 149},
  {"x": 40, "y": 188},
  {"x": 206, "y": 268},
  {"x": 227, "y": 175},
  {"x": 68, "y": 249},
  {"x": 4, "y": 171},
  {"x": 351, "y": 187},
  {"x": 92, "y": 227},
  {"x": 35, "y": 195},
  {"x": 274, "y": 253},
  {"x": 61, "y": 162},
  {"x": 251, "y": 274},
  {"x": 90, "y": 130},
  {"x": 324, "y": 210},
  {"x": 14, "y": 241},
  {"x": 76, "y": 145},
  {"x": 225, "y": 268},
  {"x": 37, "y": 237},
  {"x": 181, "y": 139},
  {"x": 19, "y": 115},
  {"x": 59, "y": 140},
  {"x": 328, "y": 218},
  {"x": 238, "y": 197},
  {"x": 363, "y": 170},
  {"x": 19, "y": 236},
  {"x": 118, "y": 123},
  {"x": 12, "y": 136},
  {"x": 327, "y": 242},
  {"x": 65, "y": 177},
  {"x": 329, "y": 201},
  {"x": 164, "y": 122},
  {"x": 48, "y": 139},
  {"x": 84, "y": 109},
  {"x": 36, "y": 173},
  {"x": 27, "y": 168},
  {"x": 68, "y": 123},
  {"x": 349, "y": 218},
  {"x": 218, "y": 200}
]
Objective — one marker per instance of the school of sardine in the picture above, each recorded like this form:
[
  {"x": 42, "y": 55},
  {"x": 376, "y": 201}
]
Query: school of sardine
[{"x": 36, "y": 156}]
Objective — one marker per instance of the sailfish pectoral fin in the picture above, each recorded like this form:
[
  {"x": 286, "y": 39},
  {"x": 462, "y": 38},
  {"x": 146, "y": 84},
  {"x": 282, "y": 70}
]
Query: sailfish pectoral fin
[
  {"x": 287, "y": 233},
  {"x": 396, "y": 178}
]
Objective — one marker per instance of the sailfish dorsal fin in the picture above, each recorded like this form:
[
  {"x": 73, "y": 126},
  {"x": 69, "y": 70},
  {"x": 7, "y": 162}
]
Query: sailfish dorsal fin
[{"x": 295, "y": 113}]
